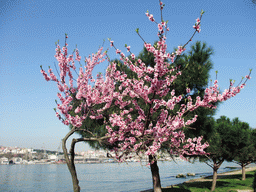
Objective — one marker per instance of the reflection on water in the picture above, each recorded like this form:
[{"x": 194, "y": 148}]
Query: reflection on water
[{"x": 107, "y": 177}]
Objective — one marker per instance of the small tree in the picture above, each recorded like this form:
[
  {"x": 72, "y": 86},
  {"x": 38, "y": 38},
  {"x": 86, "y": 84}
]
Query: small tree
[
  {"x": 216, "y": 153},
  {"x": 89, "y": 96},
  {"x": 227, "y": 142},
  {"x": 245, "y": 151}
]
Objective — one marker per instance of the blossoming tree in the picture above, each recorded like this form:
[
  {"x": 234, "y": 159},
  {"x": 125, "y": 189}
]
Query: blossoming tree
[
  {"x": 101, "y": 92},
  {"x": 154, "y": 126}
]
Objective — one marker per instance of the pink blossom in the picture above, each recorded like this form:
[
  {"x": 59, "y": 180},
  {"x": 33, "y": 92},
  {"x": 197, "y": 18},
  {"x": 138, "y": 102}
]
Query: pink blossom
[
  {"x": 248, "y": 77},
  {"x": 78, "y": 109},
  {"x": 150, "y": 17},
  {"x": 46, "y": 77},
  {"x": 133, "y": 56},
  {"x": 118, "y": 51},
  {"x": 160, "y": 27},
  {"x": 197, "y": 27},
  {"x": 180, "y": 50},
  {"x": 111, "y": 43}
]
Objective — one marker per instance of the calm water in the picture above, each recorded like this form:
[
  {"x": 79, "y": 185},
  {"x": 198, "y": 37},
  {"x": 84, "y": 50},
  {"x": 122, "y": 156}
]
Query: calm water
[{"x": 96, "y": 177}]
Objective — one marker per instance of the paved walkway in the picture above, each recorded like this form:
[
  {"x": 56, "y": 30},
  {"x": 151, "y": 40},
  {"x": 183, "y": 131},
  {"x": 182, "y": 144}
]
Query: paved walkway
[{"x": 244, "y": 190}]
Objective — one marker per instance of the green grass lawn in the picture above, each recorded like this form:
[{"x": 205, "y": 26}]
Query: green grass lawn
[{"x": 229, "y": 183}]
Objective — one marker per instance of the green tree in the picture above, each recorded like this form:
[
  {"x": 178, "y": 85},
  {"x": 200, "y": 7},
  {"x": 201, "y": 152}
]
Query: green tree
[
  {"x": 228, "y": 139},
  {"x": 245, "y": 151}
]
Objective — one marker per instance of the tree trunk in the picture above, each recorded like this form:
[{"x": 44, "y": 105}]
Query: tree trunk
[
  {"x": 71, "y": 167},
  {"x": 214, "y": 179},
  {"x": 216, "y": 166},
  {"x": 155, "y": 174},
  {"x": 243, "y": 171},
  {"x": 72, "y": 170}
]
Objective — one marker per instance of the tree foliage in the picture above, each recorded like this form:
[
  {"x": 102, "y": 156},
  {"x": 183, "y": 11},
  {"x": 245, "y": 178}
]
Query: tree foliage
[{"x": 229, "y": 141}]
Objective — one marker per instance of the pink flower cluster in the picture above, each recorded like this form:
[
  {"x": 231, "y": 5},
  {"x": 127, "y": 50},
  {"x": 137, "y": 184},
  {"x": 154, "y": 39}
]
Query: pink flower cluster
[
  {"x": 100, "y": 93},
  {"x": 197, "y": 25},
  {"x": 180, "y": 50},
  {"x": 150, "y": 17}
]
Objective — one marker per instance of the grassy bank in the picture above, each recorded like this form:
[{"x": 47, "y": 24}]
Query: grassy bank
[{"x": 225, "y": 183}]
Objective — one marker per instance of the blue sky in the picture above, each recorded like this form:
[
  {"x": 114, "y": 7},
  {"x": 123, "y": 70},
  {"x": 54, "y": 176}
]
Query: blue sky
[{"x": 30, "y": 28}]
